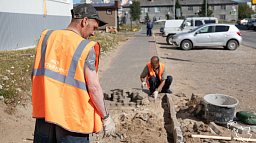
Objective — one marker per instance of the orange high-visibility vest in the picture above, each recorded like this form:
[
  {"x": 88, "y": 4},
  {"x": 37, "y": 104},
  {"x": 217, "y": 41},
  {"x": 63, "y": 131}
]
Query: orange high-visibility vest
[
  {"x": 59, "y": 92},
  {"x": 152, "y": 73}
]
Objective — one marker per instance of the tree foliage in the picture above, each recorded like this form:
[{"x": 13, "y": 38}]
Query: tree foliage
[
  {"x": 178, "y": 6},
  {"x": 244, "y": 11},
  {"x": 202, "y": 10},
  {"x": 167, "y": 16},
  {"x": 146, "y": 17},
  {"x": 135, "y": 10}
]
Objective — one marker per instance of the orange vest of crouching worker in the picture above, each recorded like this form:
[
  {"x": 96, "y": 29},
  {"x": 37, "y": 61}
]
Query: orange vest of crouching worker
[
  {"x": 152, "y": 73},
  {"x": 59, "y": 91}
]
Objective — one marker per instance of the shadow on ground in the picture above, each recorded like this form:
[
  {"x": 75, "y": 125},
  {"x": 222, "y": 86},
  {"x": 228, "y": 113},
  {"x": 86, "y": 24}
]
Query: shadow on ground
[
  {"x": 170, "y": 48},
  {"x": 175, "y": 59}
]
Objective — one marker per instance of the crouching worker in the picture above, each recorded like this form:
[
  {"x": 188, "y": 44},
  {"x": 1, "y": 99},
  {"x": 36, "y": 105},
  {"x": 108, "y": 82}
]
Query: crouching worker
[
  {"x": 67, "y": 98},
  {"x": 156, "y": 77}
]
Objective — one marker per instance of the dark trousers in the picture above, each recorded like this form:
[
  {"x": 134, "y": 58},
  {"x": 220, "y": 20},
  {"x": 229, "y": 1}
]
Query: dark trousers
[
  {"x": 155, "y": 82},
  {"x": 149, "y": 32},
  {"x": 50, "y": 133}
]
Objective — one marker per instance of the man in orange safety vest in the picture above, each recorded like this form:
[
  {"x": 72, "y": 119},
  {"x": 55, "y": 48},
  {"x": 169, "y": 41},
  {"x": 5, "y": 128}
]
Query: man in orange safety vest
[
  {"x": 157, "y": 80},
  {"x": 67, "y": 98}
]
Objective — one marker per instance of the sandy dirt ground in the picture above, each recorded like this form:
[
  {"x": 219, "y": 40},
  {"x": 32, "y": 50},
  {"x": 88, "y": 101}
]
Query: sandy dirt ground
[{"x": 142, "y": 124}]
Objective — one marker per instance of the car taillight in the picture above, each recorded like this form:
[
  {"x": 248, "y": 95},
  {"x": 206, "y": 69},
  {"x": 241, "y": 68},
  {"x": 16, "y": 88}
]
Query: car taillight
[{"x": 238, "y": 33}]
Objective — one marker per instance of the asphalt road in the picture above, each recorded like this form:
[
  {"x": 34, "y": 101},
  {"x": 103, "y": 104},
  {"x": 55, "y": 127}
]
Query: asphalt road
[{"x": 249, "y": 36}]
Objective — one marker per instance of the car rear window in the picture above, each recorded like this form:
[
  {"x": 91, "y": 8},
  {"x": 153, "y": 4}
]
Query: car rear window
[
  {"x": 209, "y": 21},
  {"x": 221, "y": 28}
]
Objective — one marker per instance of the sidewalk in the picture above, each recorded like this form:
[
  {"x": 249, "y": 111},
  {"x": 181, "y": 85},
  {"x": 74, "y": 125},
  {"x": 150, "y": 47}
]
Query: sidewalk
[{"x": 125, "y": 70}]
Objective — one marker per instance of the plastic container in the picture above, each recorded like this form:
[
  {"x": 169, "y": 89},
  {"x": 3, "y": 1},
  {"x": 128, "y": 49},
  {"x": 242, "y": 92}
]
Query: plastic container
[{"x": 220, "y": 108}]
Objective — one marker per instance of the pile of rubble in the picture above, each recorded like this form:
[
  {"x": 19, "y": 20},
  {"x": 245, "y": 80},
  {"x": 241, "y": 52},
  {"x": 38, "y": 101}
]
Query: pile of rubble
[
  {"x": 137, "y": 119},
  {"x": 191, "y": 117}
]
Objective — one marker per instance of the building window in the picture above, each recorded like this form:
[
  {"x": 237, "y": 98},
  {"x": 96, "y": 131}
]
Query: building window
[
  {"x": 171, "y": 9},
  {"x": 157, "y": 9},
  {"x": 222, "y": 17},
  {"x": 212, "y": 7},
  {"x": 109, "y": 11},
  {"x": 146, "y": 10},
  {"x": 223, "y": 7},
  {"x": 190, "y": 8},
  {"x": 168, "y": 9}
]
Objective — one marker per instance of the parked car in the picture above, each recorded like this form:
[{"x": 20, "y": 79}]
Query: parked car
[
  {"x": 226, "y": 35},
  {"x": 251, "y": 23},
  {"x": 242, "y": 21},
  {"x": 187, "y": 25}
]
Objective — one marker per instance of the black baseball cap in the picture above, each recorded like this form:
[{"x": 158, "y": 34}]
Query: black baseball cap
[{"x": 86, "y": 10}]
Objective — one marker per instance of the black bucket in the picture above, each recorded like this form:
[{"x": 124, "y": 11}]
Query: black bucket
[{"x": 220, "y": 108}]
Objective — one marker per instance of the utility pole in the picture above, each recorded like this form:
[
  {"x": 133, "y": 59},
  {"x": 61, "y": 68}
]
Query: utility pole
[
  {"x": 174, "y": 8},
  {"x": 205, "y": 8}
]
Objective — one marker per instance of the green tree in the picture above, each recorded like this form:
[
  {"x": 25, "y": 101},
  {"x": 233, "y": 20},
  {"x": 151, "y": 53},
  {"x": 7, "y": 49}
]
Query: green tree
[
  {"x": 135, "y": 10},
  {"x": 244, "y": 11},
  {"x": 146, "y": 17},
  {"x": 178, "y": 6},
  {"x": 167, "y": 16},
  {"x": 202, "y": 11}
]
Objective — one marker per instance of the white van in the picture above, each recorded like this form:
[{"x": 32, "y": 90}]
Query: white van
[
  {"x": 171, "y": 23},
  {"x": 187, "y": 25}
]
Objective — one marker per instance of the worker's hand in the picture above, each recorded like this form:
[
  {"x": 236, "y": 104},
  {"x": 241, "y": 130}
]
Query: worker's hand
[
  {"x": 109, "y": 127},
  {"x": 143, "y": 84},
  {"x": 155, "y": 94}
]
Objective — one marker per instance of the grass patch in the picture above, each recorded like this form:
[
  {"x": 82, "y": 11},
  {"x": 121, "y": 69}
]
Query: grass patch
[
  {"x": 16, "y": 67},
  {"x": 127, "y": 28},
  {"x": 15, "y": 83},
  {"x": 228, "y": 22},
  {"x": 108, "y": 41}
]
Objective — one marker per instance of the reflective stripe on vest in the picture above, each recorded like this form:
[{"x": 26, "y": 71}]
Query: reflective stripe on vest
[{"x": 69, "y": 79}]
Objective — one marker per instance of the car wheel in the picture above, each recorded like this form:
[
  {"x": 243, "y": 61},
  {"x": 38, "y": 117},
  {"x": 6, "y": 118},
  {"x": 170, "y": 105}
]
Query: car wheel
[
  {"x": 232, "y": 45},
  {"x": 186, "y": 45},
  {"x": 169, "y": 39}
]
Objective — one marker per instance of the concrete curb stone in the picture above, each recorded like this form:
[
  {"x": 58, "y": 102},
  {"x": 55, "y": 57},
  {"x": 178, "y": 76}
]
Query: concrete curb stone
[{"x": 177, "y": 133}]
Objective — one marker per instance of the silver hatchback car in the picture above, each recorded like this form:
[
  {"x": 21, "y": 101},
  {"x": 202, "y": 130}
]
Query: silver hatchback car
[{"x": 226, "y": 35}]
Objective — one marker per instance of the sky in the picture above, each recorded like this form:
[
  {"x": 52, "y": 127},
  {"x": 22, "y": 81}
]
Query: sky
[{"x": 76, "y": 1}]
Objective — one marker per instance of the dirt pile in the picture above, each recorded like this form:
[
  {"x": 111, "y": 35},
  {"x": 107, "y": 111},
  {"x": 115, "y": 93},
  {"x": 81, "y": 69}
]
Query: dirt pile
[
  {"x": 190, "y": 114},
  {"x": 143, "y": 123}
]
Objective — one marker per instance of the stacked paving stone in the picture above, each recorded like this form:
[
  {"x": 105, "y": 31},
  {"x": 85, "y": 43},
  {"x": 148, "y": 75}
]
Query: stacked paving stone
[{"x": 126, "y": 97}]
